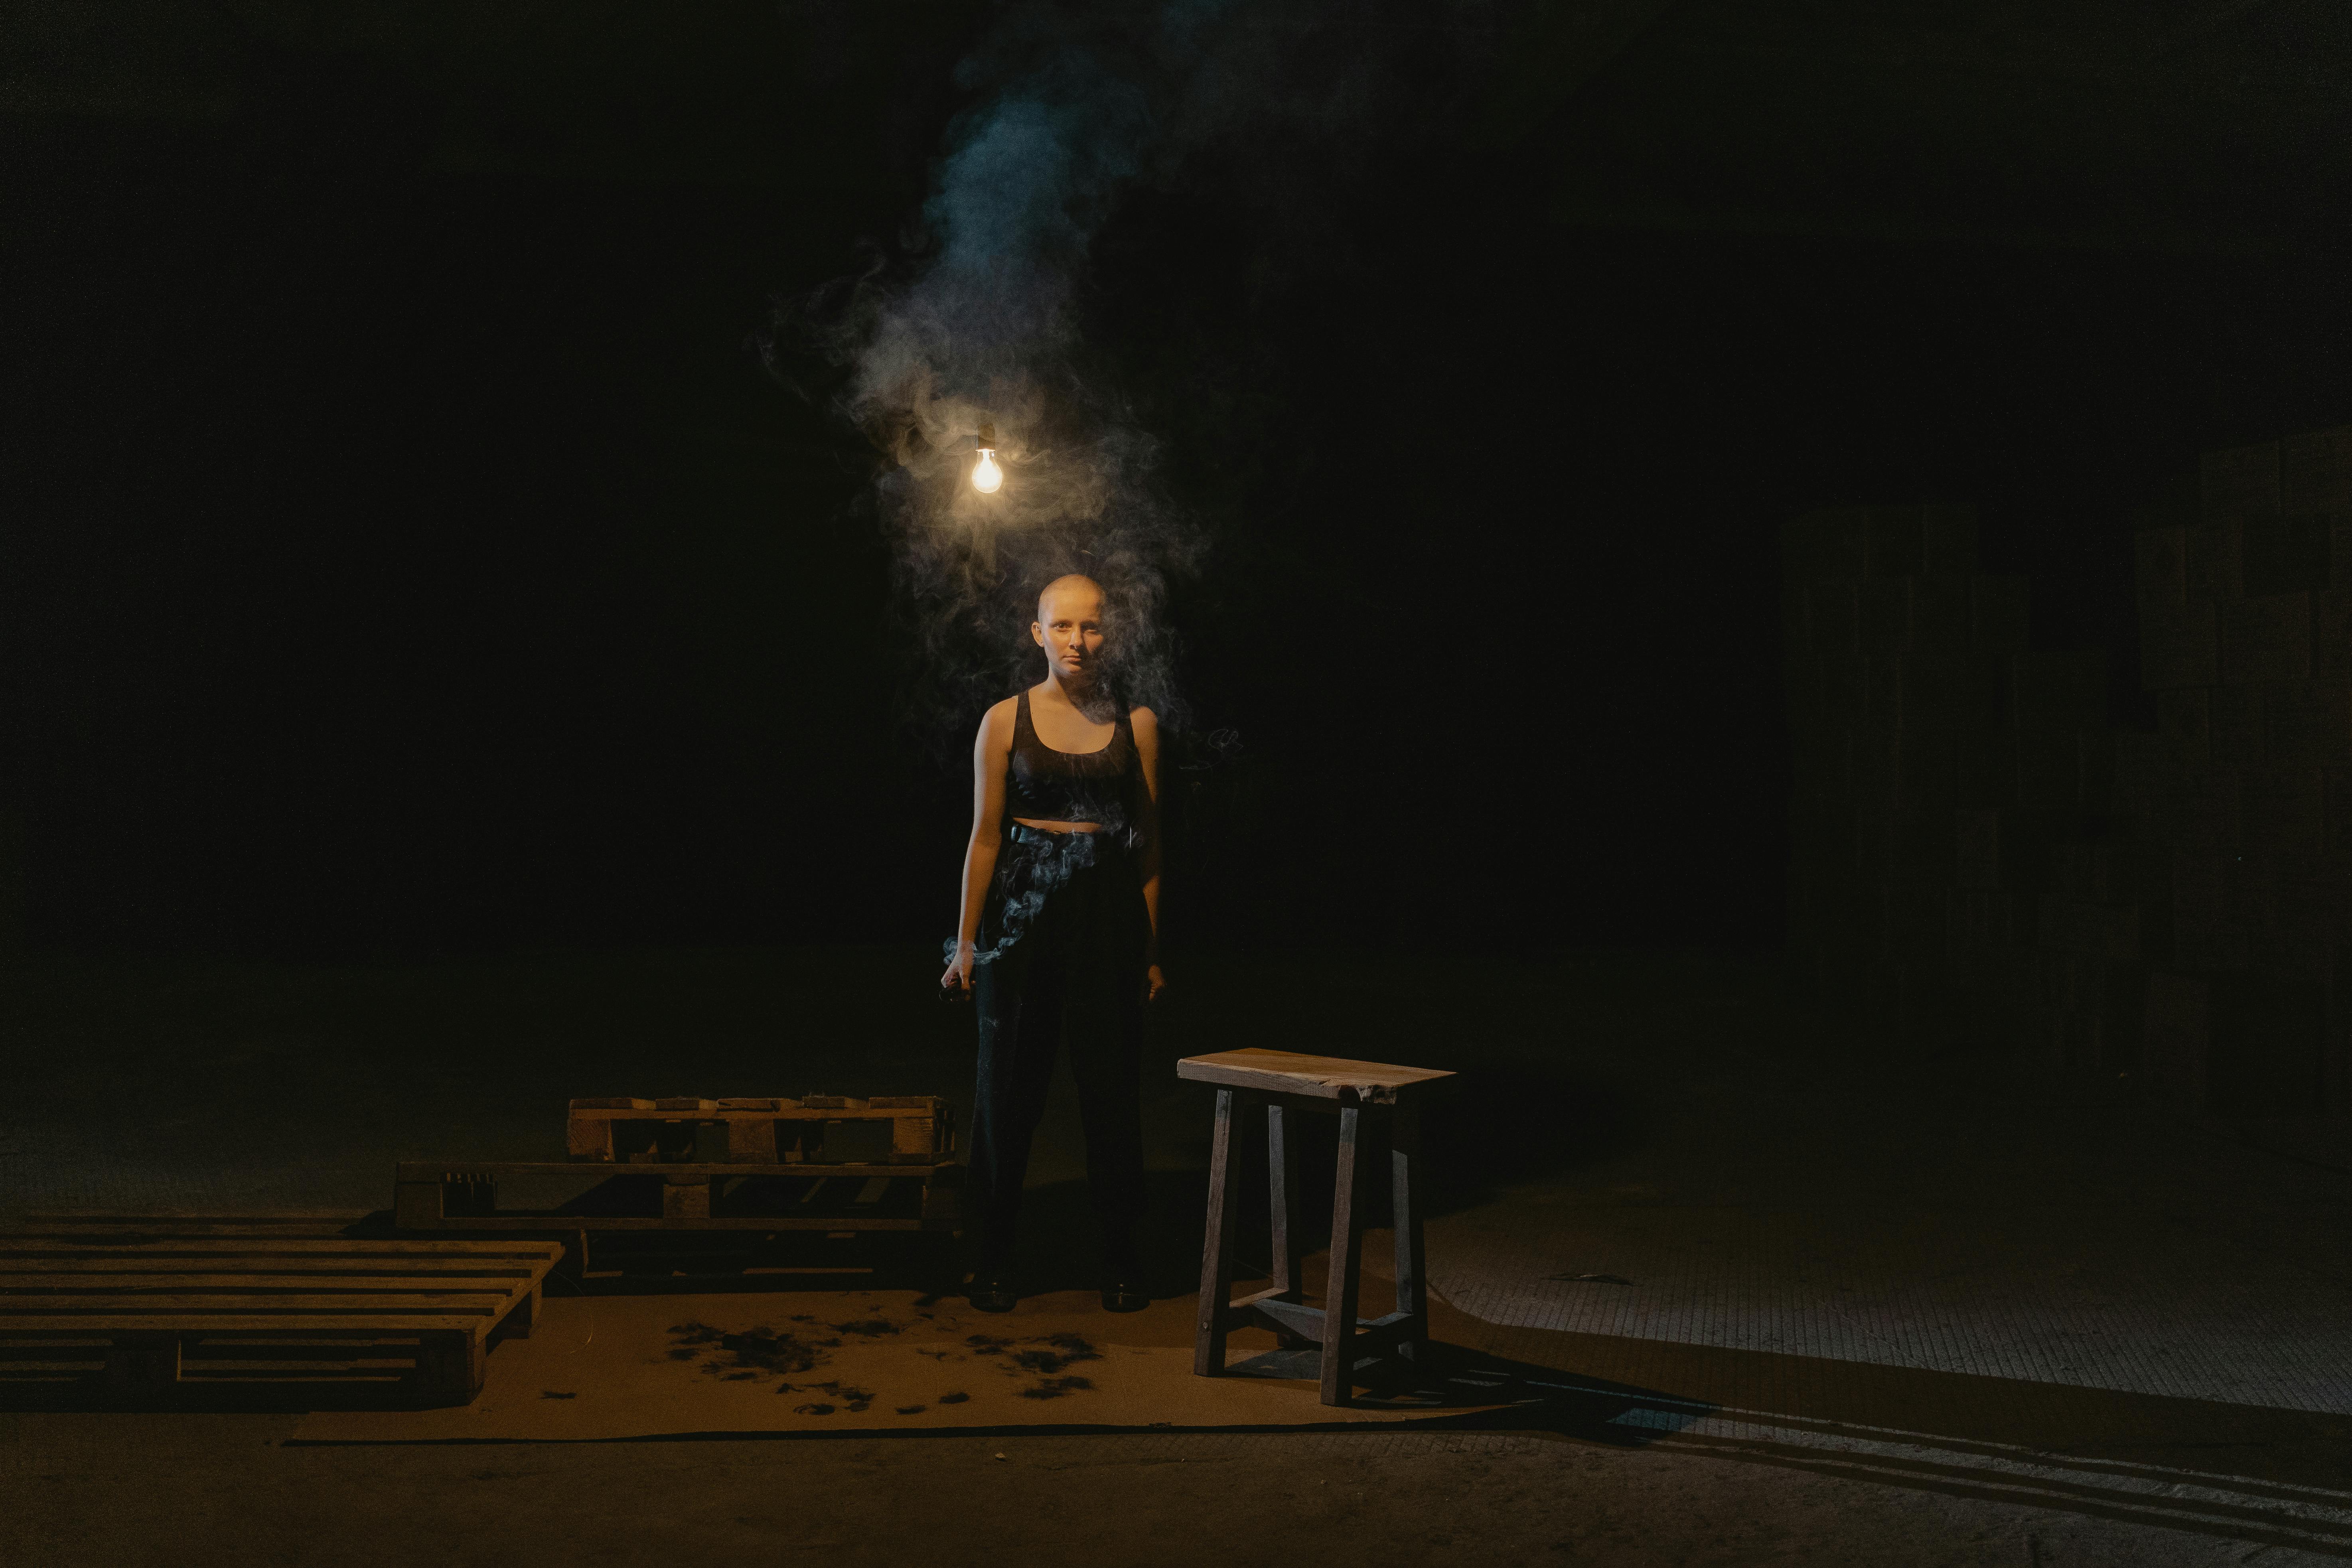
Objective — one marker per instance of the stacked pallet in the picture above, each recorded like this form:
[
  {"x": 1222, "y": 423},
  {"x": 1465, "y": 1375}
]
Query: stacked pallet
[
  {"x": 166, "y": 1309},
  {"x": 906, "y": 1129},
  {"x": 2246, "y": 614},
  {"x": 1939, "y": 763},
  {"x": 831, "y": 1164}
]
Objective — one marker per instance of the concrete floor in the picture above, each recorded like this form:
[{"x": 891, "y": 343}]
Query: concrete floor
[{"x": 1852, "y": 1311}]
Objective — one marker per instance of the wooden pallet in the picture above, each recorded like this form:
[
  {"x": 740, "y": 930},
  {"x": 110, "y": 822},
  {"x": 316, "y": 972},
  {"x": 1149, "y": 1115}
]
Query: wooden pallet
[
  {"x": 144, "y": 1309},
  {"x": 897, "y": 1129},
  {"x": 462, "y": 1196}
]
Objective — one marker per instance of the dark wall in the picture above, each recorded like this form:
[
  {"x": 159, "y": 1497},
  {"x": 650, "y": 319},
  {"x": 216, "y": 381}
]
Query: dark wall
[
  {"x": 406, "y": 547},
  {"x": 2151, "y": 907}
]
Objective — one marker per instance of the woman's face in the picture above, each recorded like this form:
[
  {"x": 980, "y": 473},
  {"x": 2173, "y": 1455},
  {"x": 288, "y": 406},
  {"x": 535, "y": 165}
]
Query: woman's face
[{"x": 1069, "y": 628}]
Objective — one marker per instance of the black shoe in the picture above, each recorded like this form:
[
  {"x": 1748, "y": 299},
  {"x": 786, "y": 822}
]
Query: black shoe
[{"x": 992, "y": 1292}]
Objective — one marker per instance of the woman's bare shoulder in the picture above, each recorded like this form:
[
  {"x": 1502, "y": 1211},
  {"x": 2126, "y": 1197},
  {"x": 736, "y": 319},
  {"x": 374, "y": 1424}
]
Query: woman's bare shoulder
[
  {"x": 1143, "y": 720},
  {"x": 996, "y": 724}
]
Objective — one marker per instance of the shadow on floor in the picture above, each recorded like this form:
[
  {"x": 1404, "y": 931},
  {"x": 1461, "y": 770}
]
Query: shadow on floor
[{"x": 2241, "y": 1473}]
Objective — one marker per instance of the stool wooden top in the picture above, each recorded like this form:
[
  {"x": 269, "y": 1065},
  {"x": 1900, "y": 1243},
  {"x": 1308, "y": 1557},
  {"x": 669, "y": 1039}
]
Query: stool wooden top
[{"x": 1324, "y": 1078}]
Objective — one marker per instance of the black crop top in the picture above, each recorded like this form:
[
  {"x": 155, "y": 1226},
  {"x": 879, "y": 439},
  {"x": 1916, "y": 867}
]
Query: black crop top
[{"x": 1047, "y": 785}]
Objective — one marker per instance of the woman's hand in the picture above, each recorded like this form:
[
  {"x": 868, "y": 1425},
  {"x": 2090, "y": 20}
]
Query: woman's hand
[
  {"x": 1154, "y": 982},
  {"x": 959, "y": 972}
]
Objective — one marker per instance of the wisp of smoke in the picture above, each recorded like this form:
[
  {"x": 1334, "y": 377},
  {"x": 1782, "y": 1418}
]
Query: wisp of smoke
[
  {"x": 981, "y": 333},
  {"x": 1075, "y": 102}
]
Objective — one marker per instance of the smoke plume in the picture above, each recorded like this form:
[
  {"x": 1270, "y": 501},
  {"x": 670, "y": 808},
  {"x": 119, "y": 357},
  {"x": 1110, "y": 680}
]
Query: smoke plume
[
  {"x": 979, "y": 331},
  {"x": 1074, "y": 104}
]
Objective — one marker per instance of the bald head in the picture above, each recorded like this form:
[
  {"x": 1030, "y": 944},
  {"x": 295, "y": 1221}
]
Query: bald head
[
  {"x": 1082, "y": 588},
  {"x": 1069, "y": 628}
]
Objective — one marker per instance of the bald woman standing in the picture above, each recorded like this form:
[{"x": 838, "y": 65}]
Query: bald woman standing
[{"x": 1058, "y": 936}]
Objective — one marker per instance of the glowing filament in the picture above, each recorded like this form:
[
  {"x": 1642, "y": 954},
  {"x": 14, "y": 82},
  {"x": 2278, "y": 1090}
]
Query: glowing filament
[{"x": 985, "y": 475}]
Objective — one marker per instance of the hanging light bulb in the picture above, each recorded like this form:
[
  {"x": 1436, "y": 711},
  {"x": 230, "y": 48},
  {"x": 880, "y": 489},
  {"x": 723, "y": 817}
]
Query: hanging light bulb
[{"x": 986, "y": 477}]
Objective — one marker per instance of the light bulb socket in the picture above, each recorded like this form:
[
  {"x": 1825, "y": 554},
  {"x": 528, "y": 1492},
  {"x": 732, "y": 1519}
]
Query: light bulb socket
[{"x": 986, "y": 440}]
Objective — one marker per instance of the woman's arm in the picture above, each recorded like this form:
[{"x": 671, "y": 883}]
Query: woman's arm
[
  {"x": 992, "y": 750},
  {"x": 1145, "y": 725}
]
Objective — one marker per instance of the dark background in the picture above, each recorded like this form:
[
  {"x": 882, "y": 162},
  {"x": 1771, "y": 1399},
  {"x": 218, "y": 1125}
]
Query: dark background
[{"x": 406, "y": 549}]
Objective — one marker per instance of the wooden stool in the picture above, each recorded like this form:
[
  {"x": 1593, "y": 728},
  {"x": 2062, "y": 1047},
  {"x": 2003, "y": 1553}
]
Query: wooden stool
[{"x": 1284, "y": 1081}]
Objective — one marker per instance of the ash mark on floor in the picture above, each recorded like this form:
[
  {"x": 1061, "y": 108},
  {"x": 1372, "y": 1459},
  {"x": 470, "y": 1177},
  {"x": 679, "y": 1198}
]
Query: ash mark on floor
[
  {"x": 1056, "y": 1351},
  {"x": 859, "y": 1400},
  {"x": 1042, "y": 1361},
  {"x": 1045, "y": 1358},
  {"x": 750, "y": 1355}
]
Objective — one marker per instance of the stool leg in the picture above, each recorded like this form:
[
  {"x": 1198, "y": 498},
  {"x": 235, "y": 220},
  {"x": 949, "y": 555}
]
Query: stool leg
[
  {"x": 1217, "y": 1247},
  {"x": 1411, "y": 1273},
  {"x": 1281, "y": 1175},
  {"x": 1340, "y": 1289}
]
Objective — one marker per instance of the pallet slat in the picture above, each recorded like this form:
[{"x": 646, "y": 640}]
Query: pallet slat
[
  {"x": 470, "y": 1170},
  {"x": 250, "y": 1226},
  {"x": 258, "y": 1347},
  {"x": 226, "y": 1321},
  {"x": 17, "y": 1270},
  {"x": 462, "y": 1196},
  {"x": 220, "y": 1305},
  {"x": 528, "y": 1221},
  {"x": 816, "y": 1107},
  {"x": 16, "y": 1286},
  {"x": 763, "y": 1129},
  {"x": 424, "y": 1303},
  {"x": 247, "y": 1350},
  {"x": 224, "y": 1247}
]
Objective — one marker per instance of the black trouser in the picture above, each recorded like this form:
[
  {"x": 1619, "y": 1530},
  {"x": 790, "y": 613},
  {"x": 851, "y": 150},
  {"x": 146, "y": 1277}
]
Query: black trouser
[{"x": 1064, "y": 943}]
